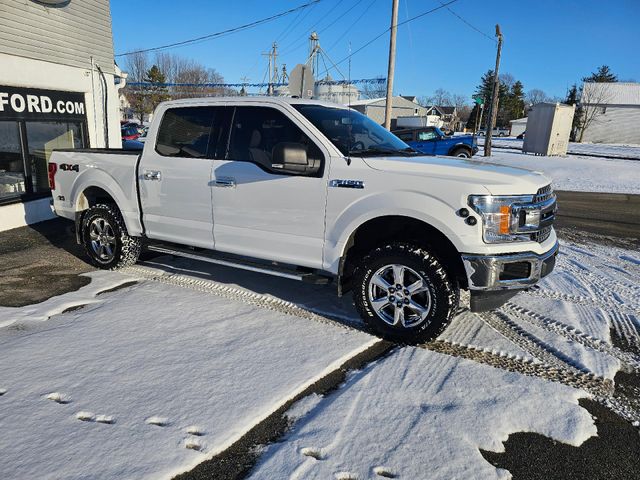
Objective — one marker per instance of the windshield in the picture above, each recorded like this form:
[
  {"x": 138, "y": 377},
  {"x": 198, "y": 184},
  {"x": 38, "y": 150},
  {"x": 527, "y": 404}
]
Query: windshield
[{"x": 353, "y": 133}]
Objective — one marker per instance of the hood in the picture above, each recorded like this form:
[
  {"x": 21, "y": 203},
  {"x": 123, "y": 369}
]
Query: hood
[{"x": 498, "y": 179}]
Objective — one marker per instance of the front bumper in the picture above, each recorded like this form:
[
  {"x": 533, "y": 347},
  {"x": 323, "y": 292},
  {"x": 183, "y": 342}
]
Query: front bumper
[{"x": 493, "y": 279}]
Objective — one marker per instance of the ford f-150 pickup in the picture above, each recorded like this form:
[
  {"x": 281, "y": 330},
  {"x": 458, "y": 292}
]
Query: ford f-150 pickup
[{"x": 317, "y": 192}]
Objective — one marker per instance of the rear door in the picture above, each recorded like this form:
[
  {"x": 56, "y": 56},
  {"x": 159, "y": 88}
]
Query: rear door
[
  {"x": 258, "y": 210},
  {"x": 175, "y": 176}
]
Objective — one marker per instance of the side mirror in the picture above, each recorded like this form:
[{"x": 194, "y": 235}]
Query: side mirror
[{"x": 290, "y": 157}]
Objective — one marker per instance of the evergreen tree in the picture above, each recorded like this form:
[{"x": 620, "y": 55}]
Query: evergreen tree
[
  {"x": 155, "y": 93},
  {"x": 602, "y": 75}
]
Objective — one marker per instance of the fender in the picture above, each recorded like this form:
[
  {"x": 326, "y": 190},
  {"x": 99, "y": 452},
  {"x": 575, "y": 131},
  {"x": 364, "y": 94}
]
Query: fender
[
  {"x": 460, "y": 144},
  {"x": 426, "y": 208},
  {"x": 127, "y": 203}
]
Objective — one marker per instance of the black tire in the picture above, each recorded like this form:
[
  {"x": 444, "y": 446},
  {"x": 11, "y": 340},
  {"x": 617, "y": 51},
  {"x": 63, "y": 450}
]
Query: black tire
[
  {"x": 441, "y": 287},
  {"x": 123, "y": 250},
  {"x": 461, "y": 152}
]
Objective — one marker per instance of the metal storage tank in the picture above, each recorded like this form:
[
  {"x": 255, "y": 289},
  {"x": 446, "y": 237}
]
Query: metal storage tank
[{"x": 548, "y": 129}]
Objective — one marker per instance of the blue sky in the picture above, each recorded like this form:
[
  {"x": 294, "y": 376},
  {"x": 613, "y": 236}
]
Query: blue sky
[{"x": 549, "y": 44}]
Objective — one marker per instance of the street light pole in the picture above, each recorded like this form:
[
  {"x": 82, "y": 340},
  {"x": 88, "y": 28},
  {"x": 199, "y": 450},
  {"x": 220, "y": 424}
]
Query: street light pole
[
  {"x": 392, "y": 65},
  {"x": 493, "y": 111}
]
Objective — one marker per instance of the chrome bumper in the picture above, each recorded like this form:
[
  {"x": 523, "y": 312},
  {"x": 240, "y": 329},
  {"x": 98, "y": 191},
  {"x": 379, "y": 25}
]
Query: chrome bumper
[{"x": 509, "y": 271}]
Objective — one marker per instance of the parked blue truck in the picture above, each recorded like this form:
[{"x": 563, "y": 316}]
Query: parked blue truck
[{"x": 431, "y": 141}]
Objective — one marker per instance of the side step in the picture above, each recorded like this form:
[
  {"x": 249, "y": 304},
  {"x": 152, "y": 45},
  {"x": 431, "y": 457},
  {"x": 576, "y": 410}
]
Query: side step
[{"x": 243, "y": 263}]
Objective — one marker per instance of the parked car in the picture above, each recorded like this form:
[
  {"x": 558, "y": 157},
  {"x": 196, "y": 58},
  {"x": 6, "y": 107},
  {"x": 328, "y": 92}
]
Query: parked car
[
  {"x": 132, "y": 145},
  {"x": 317, "y": 192},
  {"x": 129, "y": 133},
  {"x": 431, "y": 141},
  {"x": 497, "y": 132}
]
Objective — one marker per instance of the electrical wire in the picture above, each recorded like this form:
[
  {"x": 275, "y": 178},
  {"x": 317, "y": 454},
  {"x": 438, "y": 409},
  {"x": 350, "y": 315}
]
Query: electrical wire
[
  {"x": 470, "y": 25},
  {"x": 389, "y": 28},
  {"x": 223, "y": 32},
  {"x": 352, "y": 25}
]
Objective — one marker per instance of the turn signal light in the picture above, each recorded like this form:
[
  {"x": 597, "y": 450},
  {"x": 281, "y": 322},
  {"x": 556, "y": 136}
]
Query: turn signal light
[
  {"x": 53, "y": 168},
  {"x": 505, "y": 213}
]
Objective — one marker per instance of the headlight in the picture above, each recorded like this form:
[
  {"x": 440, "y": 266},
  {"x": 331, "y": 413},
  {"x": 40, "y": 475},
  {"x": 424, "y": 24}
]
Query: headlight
[{"x": 503, "y": 218}]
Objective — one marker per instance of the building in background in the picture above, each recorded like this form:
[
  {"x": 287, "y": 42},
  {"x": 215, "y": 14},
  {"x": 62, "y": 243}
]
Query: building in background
[
  {"x": 518, "y": 126},
  {"x": 58, "y": 89},
  {"x": 611, "y": 112},
  {"x": 401, "y": 107}
]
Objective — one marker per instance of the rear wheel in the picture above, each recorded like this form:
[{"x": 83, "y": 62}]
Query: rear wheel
[
  {"x": 106, "y": 240},
  {"x": 404, "y": 293}
]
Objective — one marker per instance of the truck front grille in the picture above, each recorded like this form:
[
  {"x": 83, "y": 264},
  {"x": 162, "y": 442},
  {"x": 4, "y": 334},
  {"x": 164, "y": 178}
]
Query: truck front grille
[
  {"x": 543, "y": 194},
  {"x": 541, "y": 235}
]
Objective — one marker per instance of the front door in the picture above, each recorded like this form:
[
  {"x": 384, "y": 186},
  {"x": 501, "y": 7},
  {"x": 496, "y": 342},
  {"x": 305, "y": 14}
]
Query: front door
[
  {"x": 259, "y": 211},
  {"x": 175, "y": 176},
  {"x": 427, "y": 140}
]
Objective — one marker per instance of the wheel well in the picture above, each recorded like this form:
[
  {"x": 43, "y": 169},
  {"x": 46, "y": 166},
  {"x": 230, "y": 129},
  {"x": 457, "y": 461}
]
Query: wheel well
[
  {"x": 460, "y": 146},
  {"x": 93, "y": 196},
  {"x": 381, "y": 230}
]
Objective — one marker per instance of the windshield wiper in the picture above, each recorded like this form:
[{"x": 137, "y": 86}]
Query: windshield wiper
[{"x": 374, "y": 151}]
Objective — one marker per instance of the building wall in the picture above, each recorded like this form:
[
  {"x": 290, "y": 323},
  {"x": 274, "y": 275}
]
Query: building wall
[
  {"x": 401, "y": 108},
  {"x": 69, "y": 35},
  {"x": 619, "y": 124},
  {"x": 25, "y": 72}
]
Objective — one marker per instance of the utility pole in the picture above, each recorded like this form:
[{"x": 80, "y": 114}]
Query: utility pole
[
  {"x": 392, "y": 65},
  {"x": 273, "y": 67},
  {"x": 493, "y": 108}
]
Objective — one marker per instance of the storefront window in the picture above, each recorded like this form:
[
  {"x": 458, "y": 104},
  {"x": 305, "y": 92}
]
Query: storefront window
[
  {"x": 12, "y": 179},
  {"x": 42, "y": 139}
]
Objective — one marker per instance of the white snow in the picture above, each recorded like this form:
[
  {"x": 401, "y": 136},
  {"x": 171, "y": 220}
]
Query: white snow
[
  {"x": 575, "y": 172},
  {"x": 139, "y": 368},
  {"x": 424, "y": 415},
  {"x": 420, "y": 410},
  {"x": 150, "y": 380},
  {"x": 603, "y": 149}
]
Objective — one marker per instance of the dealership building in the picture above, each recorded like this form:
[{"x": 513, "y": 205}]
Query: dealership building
[{"x": 58, "y": 89}]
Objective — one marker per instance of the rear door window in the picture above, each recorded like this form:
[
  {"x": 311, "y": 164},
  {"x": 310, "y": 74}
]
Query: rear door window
[{"x": 191, "y": 132}]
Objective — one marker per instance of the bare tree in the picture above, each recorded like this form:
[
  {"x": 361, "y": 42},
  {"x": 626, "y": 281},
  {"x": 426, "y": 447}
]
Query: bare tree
[
  {"x": 507, "y": 80},
  {"x": 137, "y": 65},
  {"x": 535, "y": 96},
  {"x": 442, "y": 98},
  {"x": 593, "y": 101},
  {"x": 374, "y": 90}
]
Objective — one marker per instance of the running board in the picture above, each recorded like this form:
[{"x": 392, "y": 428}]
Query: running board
[{"x": 243, "y": 264}]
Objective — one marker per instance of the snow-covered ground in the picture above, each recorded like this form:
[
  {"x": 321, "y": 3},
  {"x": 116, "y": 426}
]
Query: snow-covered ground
[
  {"x": 149, "y": 380},
  {"x": 575, "y": 172},
  {"x": 604, "y": 149},
  {"x": 419, "y": 414}
]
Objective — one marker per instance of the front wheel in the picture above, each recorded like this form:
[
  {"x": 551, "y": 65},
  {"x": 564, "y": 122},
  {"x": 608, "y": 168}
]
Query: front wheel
[
  {"x": 404, "y": 293},
  {"x": 461, "y": 152},
  {"x": 106, "y": 240}
]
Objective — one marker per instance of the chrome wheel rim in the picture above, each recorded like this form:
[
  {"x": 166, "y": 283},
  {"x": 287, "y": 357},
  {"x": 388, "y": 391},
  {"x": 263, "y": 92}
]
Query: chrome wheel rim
[
  {"x": 103, "y": 240},
  {"x": 400, "y": 296}
]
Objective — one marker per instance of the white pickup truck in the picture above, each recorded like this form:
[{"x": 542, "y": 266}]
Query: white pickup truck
[{"x": 314, "y": 191}]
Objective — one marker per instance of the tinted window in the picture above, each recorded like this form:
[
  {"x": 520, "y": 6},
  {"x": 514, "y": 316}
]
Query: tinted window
[
  {"x": 256, "y": 131},
  {"x": 406, "y": 137},
  {"x": 351, "y": 132},
  {"x": 187, "y": 132}
]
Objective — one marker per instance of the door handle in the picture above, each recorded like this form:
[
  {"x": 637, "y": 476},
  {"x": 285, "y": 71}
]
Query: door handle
[
  {"x": 152, "y": 175},
  {"x": 225, "y": 182}
]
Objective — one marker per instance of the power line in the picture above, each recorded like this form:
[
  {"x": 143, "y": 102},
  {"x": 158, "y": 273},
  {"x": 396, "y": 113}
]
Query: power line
[
  {"x": 352, "y": 25},
  {"x": 223, "y": 32},
  {"x": 470, "y": 25},
  {"x": 444, "y": 5}
]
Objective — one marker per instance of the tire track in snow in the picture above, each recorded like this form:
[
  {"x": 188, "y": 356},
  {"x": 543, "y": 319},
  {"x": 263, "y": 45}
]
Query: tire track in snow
[
  {"x": 550, "y": 364},
  {"x": 556, "y": 327}
]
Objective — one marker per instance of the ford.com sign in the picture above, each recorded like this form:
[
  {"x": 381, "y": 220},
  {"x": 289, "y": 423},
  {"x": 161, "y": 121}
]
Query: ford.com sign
[{"x": 33, "y": 103}]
